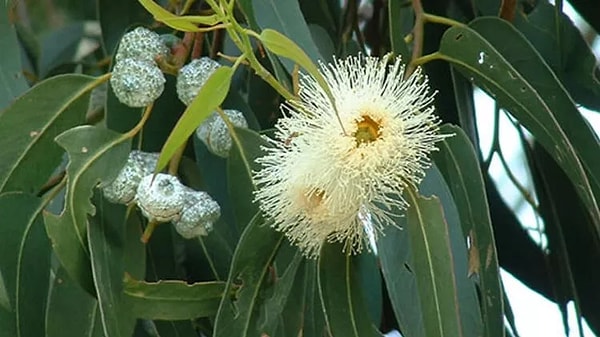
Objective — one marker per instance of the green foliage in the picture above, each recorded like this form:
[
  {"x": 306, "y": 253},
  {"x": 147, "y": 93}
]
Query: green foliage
[{"x": 74, "y": 264}]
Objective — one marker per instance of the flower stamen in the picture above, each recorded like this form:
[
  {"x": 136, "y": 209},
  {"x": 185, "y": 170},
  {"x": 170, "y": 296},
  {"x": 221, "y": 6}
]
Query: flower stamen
[{"x": 367, "y": 130}]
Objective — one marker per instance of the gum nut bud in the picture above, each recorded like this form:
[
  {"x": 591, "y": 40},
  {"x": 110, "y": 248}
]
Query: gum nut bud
[
  {"x": 141, "y": 44},
  {"x": 160, "y": 197},
  {"x": 193, "y": 76},
  {"x": 122, "y": 190},
  {"x": 137, "y": 83},
  {"x": 146, "y": 160},
  {"x": 199, "y": 214},
  {"x": 215, "y": 134}
]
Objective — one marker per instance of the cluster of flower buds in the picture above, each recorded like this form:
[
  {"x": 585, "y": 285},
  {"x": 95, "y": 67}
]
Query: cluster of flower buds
[
  {"x": 162, "y": 197},
  {"x": 136, "y": 79},
  {"x": 214, "y": 133}
]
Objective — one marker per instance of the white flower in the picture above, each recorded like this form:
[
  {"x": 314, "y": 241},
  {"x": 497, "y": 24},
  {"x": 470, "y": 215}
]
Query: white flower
[{"x": 331, "y": 167}]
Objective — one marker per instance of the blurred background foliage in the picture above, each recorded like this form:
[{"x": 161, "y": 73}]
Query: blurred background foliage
[{"x": 556, "y": 252}]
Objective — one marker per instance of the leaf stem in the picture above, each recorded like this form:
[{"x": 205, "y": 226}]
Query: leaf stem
[
  {"x": 131, "y": 133},
  {"x": 149, "y": 230},
  {"x": 426, "y": 58},
  {"x": 441, "y": 20}
]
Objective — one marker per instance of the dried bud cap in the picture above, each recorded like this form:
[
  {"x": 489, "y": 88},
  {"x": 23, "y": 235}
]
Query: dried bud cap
[
  {"x": 199, "y": 214},
  {"x": 122, "y": 190},
  {"x": 137, "y": 83},
  {"x": 141, "y": 44},
  {"x": 214, "y": 132},
  {"x": 160, "y": 197},
  {"x": 193, "y": 76}
]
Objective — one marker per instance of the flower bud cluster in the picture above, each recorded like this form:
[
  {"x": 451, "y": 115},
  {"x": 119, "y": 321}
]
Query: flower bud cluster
[
  {"x": 162, "y": 197},
  {"x": 214, "y": 133},
  {"x": 136, "y": 79}
]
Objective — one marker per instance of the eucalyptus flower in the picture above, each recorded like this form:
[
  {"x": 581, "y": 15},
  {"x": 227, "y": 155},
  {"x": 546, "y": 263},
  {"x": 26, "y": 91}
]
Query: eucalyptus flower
[{"x": 334, "y": 163}]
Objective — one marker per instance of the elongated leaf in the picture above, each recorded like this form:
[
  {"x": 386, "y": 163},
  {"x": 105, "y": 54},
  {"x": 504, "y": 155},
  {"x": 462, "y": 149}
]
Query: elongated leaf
[
  {"x": 210, "y": 96},
  {"x": 111, "y": 242},
  {"x": 286, "y": 17},
  {"x": 282, "y": 45},
  {"x": 396, "y": 258},
  {"x": 96, "y": 155},
  {"x": 273, "y": 308},
  {"x": 173, "y": 300},
  {"x": 240, "y": 164},
  {"x": 29, "y": 126},
  {"x": 24, "y": 244},
  {"x": 292, "y": 318},
  {"x": 183, "y": 23},
  {"x": 69, "y": 305},
  {"x": 313, "y": 324},
  {"x": 115, "y": 16},
  {"x": 432, "y": 256},
  {"x": 519, "y": 91},
  {"x": 256, "y": 249},
  {"x": 11, "y": 76},
  {"x": 59, "y": 47},
  {"x": 458, "y": 163},
  {"x": 563, "y": 47},
  {"x": 342, "y": 298},
  {"x": 399, "y": 19}
]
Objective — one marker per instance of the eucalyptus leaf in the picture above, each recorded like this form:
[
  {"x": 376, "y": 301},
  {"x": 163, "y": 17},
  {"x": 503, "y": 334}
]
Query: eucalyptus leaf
[
  {"x": 25, "y": 261},
  {"x": 11, "y": 77},
  {"x": 237, "y": 315},
  {"x": 341, "y": 296},
  {"x": 173, "y": 300},
  {"x": 457, "y": 162},
  {"x": 209, "y": 97},
  {"x": 247, "y": 146},
  {"x": 96, "y": 156},
  {"x": 69, "y": 305},
  {"x": 567, "y": 138},
  {"x": 29, "y": 126}
]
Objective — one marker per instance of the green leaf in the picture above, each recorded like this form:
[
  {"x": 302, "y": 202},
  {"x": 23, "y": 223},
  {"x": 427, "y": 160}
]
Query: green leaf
[
  {"x": 465, "y": 104},
  {"x": 7, "y": 322},
  {"x": 398, "y": 18},
  {"x": 313, "y": 324},
  {"x": 433, "y": 267},
  {"x": 96, "y": 155},
  {"x": 396, "y": 258},
  {"x": 29, "y": 126},
  {"x": 115, "y": 16},
  {"x": 173, "y": 300},
  {"x": 286, "y": 17},
  {"x": 458, "y": 163},
  {"x": 240, "y": 164},
  {"x": 370, "y": 282},
  {"x": 341, "y": 295},
  {"x": 274, "y": 305},
  {"x": 182, "y": 23},
  {"x": 435, "y": 186},
  {"x": 59, "y": 47},
  {"x": 110, "y": 242},
  {"x": 24, "y": 260},
  {"x": 72, "y": 307},
  {"x": 210, "y": 96},
  {"x": 11, "y": 76},
  {"x": 531, "y": 92},
  {"x": 563, "y": 47},
  {"x": 251, "y": 261},
  {"x": 283, "y": 46}
]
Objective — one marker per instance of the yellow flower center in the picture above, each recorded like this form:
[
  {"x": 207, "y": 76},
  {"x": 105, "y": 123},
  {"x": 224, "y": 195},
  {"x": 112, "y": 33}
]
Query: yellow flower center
[
  {"x": 367, "y": 130},
  {"x": 313, "y": 199}
]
